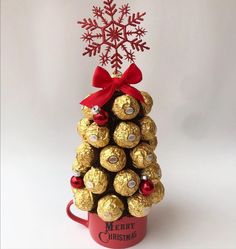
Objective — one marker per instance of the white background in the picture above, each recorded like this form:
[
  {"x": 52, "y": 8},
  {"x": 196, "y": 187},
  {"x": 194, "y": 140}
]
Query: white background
[{"x": 190, "y": 71}]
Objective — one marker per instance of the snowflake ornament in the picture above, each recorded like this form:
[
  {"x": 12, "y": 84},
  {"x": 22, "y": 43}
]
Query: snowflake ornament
[{"x": 116, "y": 31}]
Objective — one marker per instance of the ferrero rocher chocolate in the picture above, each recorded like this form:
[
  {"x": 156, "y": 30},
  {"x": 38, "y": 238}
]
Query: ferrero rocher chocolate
[
  {"x": 113, "y": 158},
  {"x": 85, "y": 155},
  {"x": 97, "y": 136},
  {"x": 126, "y": 182},
  {"x": 82, "y": 127},
  {"x": 96, "y": 181},
  {"x": 127, "y": 134},
  {"x": 158, "y": 194},
  {"x": 87, "y": 112},
  {"x": 148, "y": 102},
  {"x": 75, "y": 190},
  {"x": 83, "y": 199},
  {"x": 142, "y": 156},
  {"x": 139, "y": 205},
  {"x": 125, "y": 107},
  {"x": 153, "y": 142},
  {"x": 148, "y": 128},
  {"x": 110, "y": 208},
  {"x": 152, "y": 172},
  {"x": 78, "y": 167}
]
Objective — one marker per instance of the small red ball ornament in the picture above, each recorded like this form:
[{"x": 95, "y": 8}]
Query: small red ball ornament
[
  {"x": 146, "y": 187},
  {"x": 76, "y": 182},
  {"x": 101, "y": 118}
]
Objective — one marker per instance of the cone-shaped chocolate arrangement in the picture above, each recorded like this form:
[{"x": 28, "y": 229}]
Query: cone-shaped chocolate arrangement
[{"x": 116, "y": 171}]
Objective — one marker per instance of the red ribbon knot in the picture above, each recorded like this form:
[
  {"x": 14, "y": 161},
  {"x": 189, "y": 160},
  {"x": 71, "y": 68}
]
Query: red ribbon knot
[{"x": 102, "y": 79}]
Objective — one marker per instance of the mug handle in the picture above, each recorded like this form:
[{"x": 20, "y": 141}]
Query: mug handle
[{"x": 74, "y": 217}]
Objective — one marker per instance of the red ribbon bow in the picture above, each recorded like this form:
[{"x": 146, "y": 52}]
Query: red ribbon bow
[{"x": 102, "y": 79}]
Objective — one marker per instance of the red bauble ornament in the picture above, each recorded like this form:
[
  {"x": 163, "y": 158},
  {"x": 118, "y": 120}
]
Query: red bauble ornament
[
  {"x": 76, "y": 182},
  {"x": 101, "y": 118},
  {"x": 146, "y": 187}
]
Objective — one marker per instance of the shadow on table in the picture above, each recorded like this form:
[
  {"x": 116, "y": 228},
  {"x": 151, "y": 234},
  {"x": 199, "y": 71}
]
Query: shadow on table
[{"x": 164, "y": 222}]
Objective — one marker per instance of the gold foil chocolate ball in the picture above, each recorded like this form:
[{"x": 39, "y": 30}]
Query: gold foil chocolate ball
[
  {"x": 139, "y": 205},
  {"x": 97, "y": 136},
  {"x": 126, "y": 182},
  {"x": 96, "y": 181},
  {"x": 87, "y": 112},
  {"x": 85, "y": 155},
  {"x": 127, "y": 135},
  {"x": 110, "y": 208},
  {"x": 78, "y": 167},
  {"x": 148, "y": 102},
  {"x": 113, "y": 158},
  {"x": 83, "y": 199},
  {"x": 143, "y": 156},
  {"x": 152, "y": 172},
  {"x": 82, "y": 127},
  {"x": 148, "y": 128},
  {"x": 158, "y": 194},
  {"x": 75, "y": 190},
  {"x": 153, "y": 142},
  {"x": 125, "y": 107}
]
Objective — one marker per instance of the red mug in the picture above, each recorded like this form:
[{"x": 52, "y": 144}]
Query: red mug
[{"x": 123, "y": 233}]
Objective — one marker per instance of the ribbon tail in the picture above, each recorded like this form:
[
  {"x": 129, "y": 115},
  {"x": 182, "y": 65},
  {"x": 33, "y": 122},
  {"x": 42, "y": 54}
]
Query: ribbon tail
[
  {"x": 99, "y": 98},
  {"x": 132, "y": 92}
]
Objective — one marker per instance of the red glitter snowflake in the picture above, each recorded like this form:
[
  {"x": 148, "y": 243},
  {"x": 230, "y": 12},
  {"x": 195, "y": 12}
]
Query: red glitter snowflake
[{"x": 108, "y": 31}]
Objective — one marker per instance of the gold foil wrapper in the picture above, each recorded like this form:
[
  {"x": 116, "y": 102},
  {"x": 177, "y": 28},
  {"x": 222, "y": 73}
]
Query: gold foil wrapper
[
  {"x": 110, "y": 208},
  {"x": 113, "y": 158},
  {"x": 158, "y": 194},
  {"x": 82, "y": 127},
  {"x": 83, "y": 199},
  {"x": 153, "y": 172},
  {"x": 75, "y": 190},
  {"x": 97, "y": 136},
  {"x": 153, "y": 142},
  {"x": 148, "y": 102},
  {"x": 148, "y": 128},
  {"x": 96, "y": 181},
  {"x": 85, "y": 156},
  {"x": 77, "y": 167},
  {"x": 125, "y": 107},
  {"x": 143, "y": 156},
  {"x": 87, "y": 112},
  {"x": 126, "y": 182},
  {"x": 139, "y": 205},
  {"x": 127, "y": 135}
]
